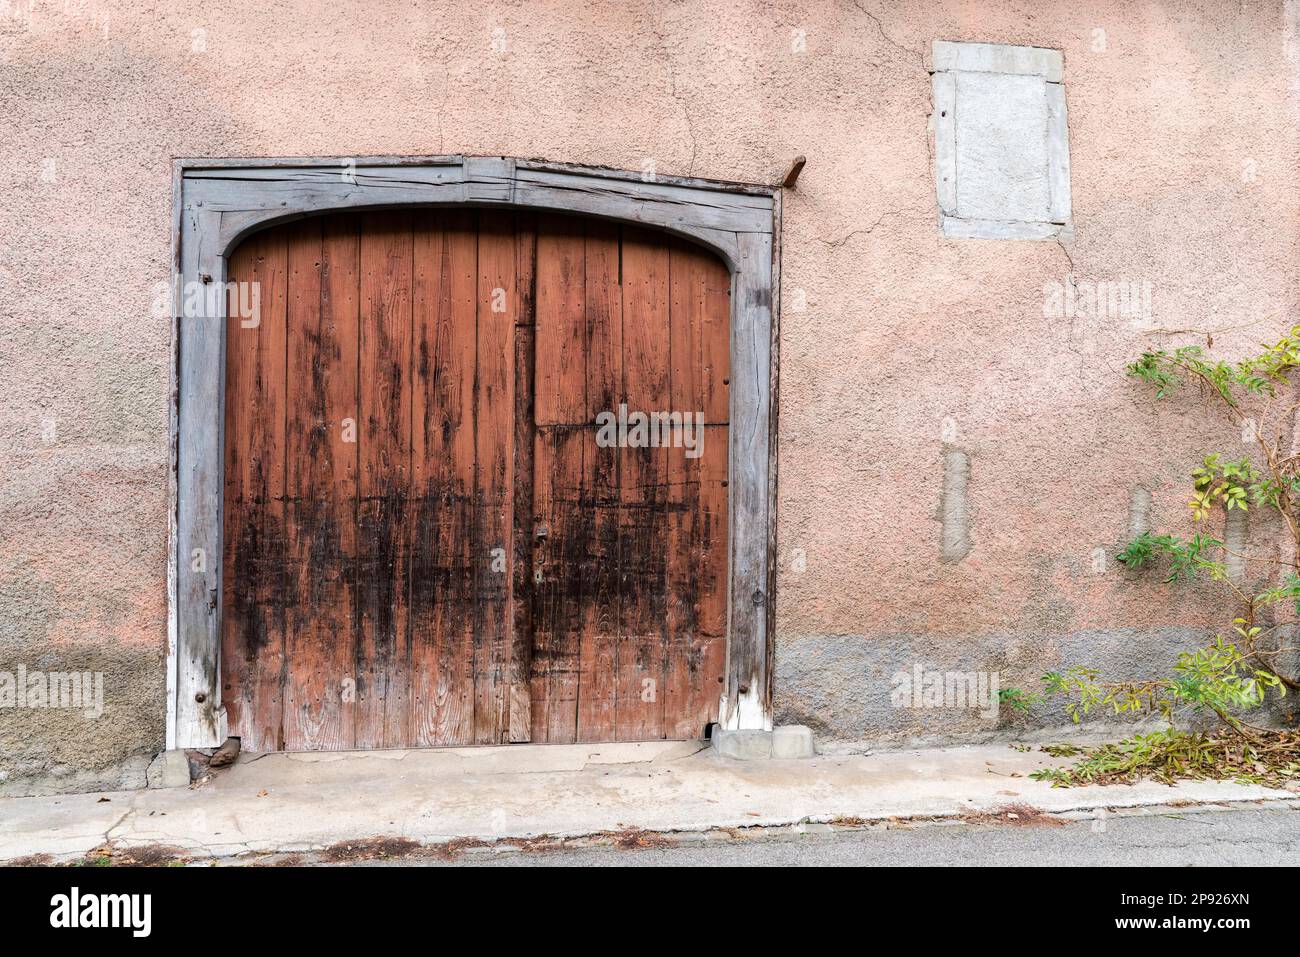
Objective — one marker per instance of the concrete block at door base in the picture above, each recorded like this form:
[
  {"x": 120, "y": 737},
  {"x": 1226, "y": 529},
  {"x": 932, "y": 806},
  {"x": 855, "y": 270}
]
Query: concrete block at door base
[
  {"x": 792, "y": 741},
  {"x": 171, "y": 769},
  {"x": 786, "y": 743},
  {"x": 742, "y": 745}
]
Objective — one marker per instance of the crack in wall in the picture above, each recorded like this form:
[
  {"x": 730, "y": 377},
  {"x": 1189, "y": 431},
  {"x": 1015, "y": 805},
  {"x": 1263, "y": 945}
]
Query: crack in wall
[
  {"x": 864, "y": 231},
  {"x": 886, "y": 37},
  {"x": 920, "y": 58},
  {"x": 657, "y": 30}
]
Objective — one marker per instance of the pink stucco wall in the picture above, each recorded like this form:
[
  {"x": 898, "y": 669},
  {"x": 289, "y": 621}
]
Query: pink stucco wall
[{"x": 1186, "y": 173}]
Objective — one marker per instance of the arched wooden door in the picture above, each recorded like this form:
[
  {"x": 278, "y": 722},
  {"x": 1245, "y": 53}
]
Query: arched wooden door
[{"x": 475, "y": 482}]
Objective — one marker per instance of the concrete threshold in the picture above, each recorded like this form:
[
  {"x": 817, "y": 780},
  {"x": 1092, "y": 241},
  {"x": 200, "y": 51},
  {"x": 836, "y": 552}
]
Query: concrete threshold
[{"x": 297, "y": 803}]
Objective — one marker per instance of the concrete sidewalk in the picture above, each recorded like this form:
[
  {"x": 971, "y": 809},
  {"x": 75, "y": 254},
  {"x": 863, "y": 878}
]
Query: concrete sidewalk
[{"x": 306, "y": 802}]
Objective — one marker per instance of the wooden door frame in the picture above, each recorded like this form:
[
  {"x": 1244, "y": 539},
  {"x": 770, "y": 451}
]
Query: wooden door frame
[{"x": 218, "y": 202}]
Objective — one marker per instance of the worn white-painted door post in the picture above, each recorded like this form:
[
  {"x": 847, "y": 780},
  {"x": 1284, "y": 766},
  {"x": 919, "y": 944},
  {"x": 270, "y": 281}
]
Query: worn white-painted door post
[
  {"x": 200, "y": 306},
  {"x": 747, "y": 704}
]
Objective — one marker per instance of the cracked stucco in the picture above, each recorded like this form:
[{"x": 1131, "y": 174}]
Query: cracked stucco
[{"x": 1184, "y": 172}]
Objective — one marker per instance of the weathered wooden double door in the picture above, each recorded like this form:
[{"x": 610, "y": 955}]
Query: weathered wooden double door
[{"x": 429, "y": 537}]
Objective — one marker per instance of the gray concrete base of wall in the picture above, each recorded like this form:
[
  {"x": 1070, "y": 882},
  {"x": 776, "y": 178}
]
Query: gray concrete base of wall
[
  {"x": 847, "y": 687},
  {"x": 789, "y": 742},
  {"x": 125, "y": 775}
]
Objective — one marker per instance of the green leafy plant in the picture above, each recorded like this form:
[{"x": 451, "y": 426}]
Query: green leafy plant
[
  {"x": 1234, "y": 672},
  {"x": 1250, "y": 393},
  {"x": 1016, "y": 699}
]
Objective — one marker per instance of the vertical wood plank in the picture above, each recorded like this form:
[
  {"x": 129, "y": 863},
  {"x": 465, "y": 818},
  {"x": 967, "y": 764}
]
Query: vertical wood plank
[
  {"x": 642, "y": 674},
  {"x": 561, "y": 491},
  {"x": 521, "y": 654},
  {"x": 199, "y": 719},
  {"x": 561, "y": 327},
  {"x": 238, "y": 630},
  {"x": 560, "y": 413},
  {"x": 598, "y": 652},
  {"x": 749, "y": 687},
  {"x": 442, "y": 478},
  {"x": 544, "y": 587},
  {"x": 254, "y": 580},
  {"x": 687, "y": 379},
  {"x": 697, "y": 564},
  {"x": 321, "y": 482},
  {"x": 383, "y": 478},
  {"x": 700, "y": 326},
  {"x": 494, "y": 410},
  {"x": 708, "y": 650}
]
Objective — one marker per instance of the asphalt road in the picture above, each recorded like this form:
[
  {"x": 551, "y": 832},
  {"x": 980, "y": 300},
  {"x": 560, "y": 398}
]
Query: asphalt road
[{"x": 1246, "y": 837}]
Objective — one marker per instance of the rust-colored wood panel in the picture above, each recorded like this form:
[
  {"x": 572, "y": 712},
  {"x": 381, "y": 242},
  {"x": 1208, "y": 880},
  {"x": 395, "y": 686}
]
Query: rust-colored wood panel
[
  {"x": 559, "y": 492},
  {"x": 696, "y": 615},
  {"x": 254, "y": 572},
  {"x": 521, "y": 653},
  {"x": 321, "y": 483},
  {"x": 384, "y": 445},
  {"x": 681, "y": 599},
  {"x": 468, "y": 551},
  {"x": 599, "y": 663},
  {"x": 560, "y": 412},
  {"x": 255, "y": 540},
  {"x": 442, "y": 479},
  {"x": 700, "y": 333},
  {"x": 646, "y": 290},
  {"x": 598, "y": 652},
  {"x": 643, "y": 489},
  {"x": 603, "y": 345},
  {"x": 561, "y": 322},
  {"x": 708, "y": 656},
  {"x": 494, "y": 414},
  {"x": 642, "y": 566},
  {"x": 544, "y": 584},
  {"x": 695, "y": 638}
]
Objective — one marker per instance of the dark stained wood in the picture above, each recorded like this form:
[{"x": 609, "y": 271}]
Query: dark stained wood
[
  {"x": 442, "y": 479},
  {"x": 561, "y": 413},
  {"x": 493, "y": 488},
  {"x": 696, "y": 640},
  {"x": 384, "y": 451},
  {"x": 475, "y": 568},
  {"x": 598, "y": 659},
  {"x": 220, "y": 202},
  {"x": 558, "y": 492},
  {"x": 696, "y": 644},
  {"x": 643, "y": 491},
  {"x": 521, "y": 652},
  {"x": 599, "y": 570},
  {"x": 321, "y": 483},
  {"x": 254, "y": 579}
]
